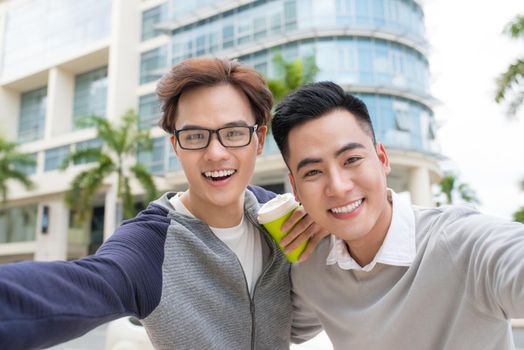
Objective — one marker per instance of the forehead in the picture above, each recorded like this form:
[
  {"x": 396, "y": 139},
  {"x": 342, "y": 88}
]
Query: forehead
[
  {"x": 213, "y": 106},
  {"x": 323, "y": 136}
]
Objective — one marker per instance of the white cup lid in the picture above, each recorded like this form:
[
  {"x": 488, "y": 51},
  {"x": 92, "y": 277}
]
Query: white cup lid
[{"x": 277, "y": 207}]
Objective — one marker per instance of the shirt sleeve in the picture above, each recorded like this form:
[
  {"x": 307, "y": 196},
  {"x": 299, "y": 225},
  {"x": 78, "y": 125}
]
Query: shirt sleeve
[
  {"x": 489, "y": 253},
  {"x": 261, "y": 194},
  {"x": 46, "y": 303},
  {"x": 305, "y": 324}
]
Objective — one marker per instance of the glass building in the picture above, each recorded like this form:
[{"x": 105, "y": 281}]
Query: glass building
[{"x": 62, "y": 60}]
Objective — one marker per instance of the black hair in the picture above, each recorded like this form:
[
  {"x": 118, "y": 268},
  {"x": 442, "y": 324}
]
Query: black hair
[{"x": 312, "y": 101}]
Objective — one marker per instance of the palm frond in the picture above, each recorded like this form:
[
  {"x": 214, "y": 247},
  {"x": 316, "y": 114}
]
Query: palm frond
[
  {"x": 516, "y": 102},
  {"x": 83, "y": 155},
  {"x": 515, "y": 28},
  {"x": 10, "y": 163},
  {"x": 519, "y": 215},
  {"x": 84, "y": 187},
  {"x": 146, "y": 181},
  {"x": 310, "y": 69},
  {"x": 105, "y": 130},
  {"x": 19, "y": 176},
  {"x": 127, "y": 198},
  {"x": 513, "y": 75},
  {"x": 467, "y": 193}
]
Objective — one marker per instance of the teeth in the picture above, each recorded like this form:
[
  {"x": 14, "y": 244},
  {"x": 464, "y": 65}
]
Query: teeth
[
  {"x": 348, "y": 208},
  {"x": 219, "y": 173}
]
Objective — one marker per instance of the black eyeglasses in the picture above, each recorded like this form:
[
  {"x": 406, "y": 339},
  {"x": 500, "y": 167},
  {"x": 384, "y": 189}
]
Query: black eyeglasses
[{"x": 229, "y": 136}]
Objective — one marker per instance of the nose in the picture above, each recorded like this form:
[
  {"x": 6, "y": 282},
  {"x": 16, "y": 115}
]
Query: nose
[
  {"x": 338, "y": 184},
  {"x": 215, "y": 150}
]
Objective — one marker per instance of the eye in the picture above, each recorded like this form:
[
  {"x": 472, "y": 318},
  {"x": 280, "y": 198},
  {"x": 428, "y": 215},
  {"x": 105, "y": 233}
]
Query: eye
[
  {"x": 352, "y": 160},
  {"x": 311, "y": 173},
  {"x": 235, "y": 133},
  {"x": 194, "y": 136}
]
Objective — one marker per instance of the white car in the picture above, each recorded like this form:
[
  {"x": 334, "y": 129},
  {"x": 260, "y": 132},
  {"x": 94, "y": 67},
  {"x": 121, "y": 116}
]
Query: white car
[{"x": 127, "y": 333}]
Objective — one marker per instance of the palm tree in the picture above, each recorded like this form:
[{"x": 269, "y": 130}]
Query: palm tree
[
  {"x": 450, "y": 187},
  {"x": 519, "y": 214},
  {"x": 119, "y": 143},
  {"x": 293, "y": 75},
  {"x": 10, "y": 162},
  {"x": 511, "y": 82}
]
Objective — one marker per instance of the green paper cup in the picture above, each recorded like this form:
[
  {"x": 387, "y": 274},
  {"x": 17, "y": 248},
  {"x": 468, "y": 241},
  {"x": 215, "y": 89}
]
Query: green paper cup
[{"x": 273, "y": 214}]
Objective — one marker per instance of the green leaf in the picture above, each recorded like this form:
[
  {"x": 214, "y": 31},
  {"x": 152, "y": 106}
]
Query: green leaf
[{"x": 146, "y": 181}]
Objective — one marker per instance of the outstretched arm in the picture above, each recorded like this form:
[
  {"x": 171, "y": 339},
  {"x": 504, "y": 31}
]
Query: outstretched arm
[{"x": 46, "y": 303}]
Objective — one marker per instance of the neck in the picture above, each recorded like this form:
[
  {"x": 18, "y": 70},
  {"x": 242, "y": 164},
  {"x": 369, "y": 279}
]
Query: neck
[
  {"x": 214, "y": 215},
  {"x": 364, "y": 249}
]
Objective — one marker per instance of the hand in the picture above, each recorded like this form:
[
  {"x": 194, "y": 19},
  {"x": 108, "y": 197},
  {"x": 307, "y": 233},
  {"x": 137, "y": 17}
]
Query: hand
[{"x": 302, "y": 228}]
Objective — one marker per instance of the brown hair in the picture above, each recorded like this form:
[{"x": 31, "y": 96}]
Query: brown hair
[{"x": 207, "y": 71}]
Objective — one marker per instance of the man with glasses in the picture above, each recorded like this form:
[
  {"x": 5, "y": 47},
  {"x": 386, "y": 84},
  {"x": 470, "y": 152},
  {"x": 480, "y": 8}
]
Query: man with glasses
[{"x": 195, "y": 266}]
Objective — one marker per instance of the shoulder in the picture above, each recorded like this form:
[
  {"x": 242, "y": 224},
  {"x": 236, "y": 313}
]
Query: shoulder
[
  {"x": 261, "y": 194},
  {"x": 314, "y": 266},
  {"x": 143, "y": 234},
  {"x": 464, "y": 225}
]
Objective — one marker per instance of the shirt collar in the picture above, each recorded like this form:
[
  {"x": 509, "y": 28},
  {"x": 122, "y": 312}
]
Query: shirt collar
[{"x": 398, "y": 249}]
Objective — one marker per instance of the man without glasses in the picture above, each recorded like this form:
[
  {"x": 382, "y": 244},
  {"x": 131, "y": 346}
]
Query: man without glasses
[{"x": 391, "y": 276}]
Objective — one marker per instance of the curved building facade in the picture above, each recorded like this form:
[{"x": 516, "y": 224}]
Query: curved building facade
[
  {"x": 105, "y": 56},
  {"x": 374, "y": 49}
]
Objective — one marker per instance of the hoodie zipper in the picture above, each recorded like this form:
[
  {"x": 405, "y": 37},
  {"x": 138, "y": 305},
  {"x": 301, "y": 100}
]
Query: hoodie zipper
[{"x": 272, "y": 247}]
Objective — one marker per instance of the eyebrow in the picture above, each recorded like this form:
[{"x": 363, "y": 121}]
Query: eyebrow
[
  {"x": 233, "y": 123},
  {"x": 348, "y": 147}
]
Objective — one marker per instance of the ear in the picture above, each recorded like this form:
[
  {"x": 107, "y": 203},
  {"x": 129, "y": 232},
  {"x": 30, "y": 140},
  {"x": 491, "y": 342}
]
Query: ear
[
  {"x": 383, "y": 158},
  {"x": 293, "y": 186},
  {"x": 172, "y": 139},
  {"x": 261, "y": 134}
]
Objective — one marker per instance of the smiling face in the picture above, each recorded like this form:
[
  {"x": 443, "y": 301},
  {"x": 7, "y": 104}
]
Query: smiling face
[
  {"x": 217, "y": 175},
  {"x": 340, "y": 177}
]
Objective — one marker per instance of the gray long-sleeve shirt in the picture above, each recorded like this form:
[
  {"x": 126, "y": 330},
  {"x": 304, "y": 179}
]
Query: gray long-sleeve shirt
[{"x": 466, "y": 281}]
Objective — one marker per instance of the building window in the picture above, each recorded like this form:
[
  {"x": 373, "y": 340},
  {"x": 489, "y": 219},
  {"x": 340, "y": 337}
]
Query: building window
[
  {"x": 276, "y": 23},
  {"x": 31, "y": 124},
  {"x": 259, "y": 27},
  {"x": 94, "y": 143},
  {"x": 90, "y": 95},
  {"x": 151, "y": 64},
  {"x": 148, "y": 111},
  {"x": 18, "y": 224},
  {"x": 54, "y": 157},
  {"x": 244, "y": 33},
  {"x": 161, "y": 159},
  {"x": 201, "y": 45},
  {"x": 228, "y": 36},
  {"x": 150, "y": 18},
  {"x": 27, "y": 169},
  {"x": 153, "y": 159},
  {"x": 290, "y": 14},
  {"x": 213, "y": 42},
  {"x": 345, "y": 8}
]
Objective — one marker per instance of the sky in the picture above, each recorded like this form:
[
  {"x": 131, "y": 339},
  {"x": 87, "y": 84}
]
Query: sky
[
  {"x": 486, "y": 150},
  {"x": 467, "y": 52}
]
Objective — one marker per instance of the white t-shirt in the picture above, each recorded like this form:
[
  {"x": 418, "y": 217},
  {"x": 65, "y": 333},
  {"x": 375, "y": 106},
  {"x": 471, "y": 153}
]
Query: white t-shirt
[{"x": 243, "y": 239}]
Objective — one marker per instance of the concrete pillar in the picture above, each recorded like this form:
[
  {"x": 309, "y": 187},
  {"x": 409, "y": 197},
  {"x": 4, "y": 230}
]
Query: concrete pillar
[
  {"x": 3, "y": 23},
  {"x": 9, "y": 113},
  {"x": 53, "y": 244},
  {"x": 420, "y": 186},
  {"x": 122, "y": 81},
  {"x": 123, "y": 69},
  {"x": 110, "y": 208},
  {"x": 60, "y": 91}
]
